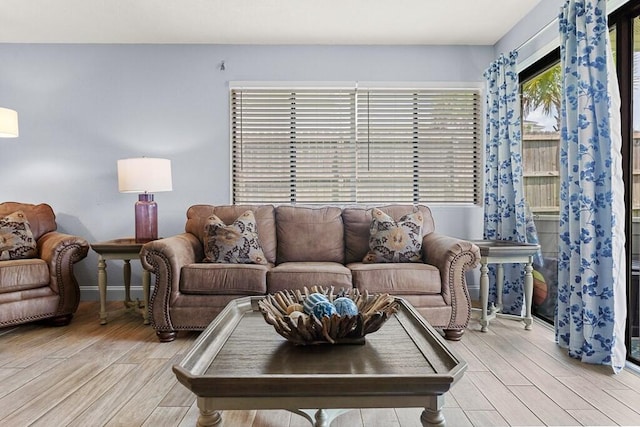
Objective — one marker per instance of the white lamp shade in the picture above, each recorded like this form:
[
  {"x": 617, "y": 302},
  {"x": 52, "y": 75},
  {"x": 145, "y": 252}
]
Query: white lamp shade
[
  {"x": 8, "y": 123},
  {"x": 144, "y": 175}
]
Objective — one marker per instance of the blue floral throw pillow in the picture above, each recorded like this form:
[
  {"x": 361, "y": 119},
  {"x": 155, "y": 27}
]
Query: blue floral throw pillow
[
  {"x": 391, "y": 241},
  {"x": 234, "y": 244},
  {"x": 16, "y": 239}
]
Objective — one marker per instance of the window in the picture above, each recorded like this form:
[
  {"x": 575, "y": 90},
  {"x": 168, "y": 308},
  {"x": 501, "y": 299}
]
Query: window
[
  {"x": 541, "y": 98},
  {"x": 355, "y": 145}
]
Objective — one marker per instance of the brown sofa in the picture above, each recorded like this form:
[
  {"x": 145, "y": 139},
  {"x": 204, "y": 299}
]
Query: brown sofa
[
  {"x": 43, "y": 287},
  {"x": 305, "y": 246}
]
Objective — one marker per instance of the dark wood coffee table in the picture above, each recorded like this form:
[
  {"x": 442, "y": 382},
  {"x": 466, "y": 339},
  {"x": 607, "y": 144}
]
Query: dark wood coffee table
[{"x": 240, "y": 362}]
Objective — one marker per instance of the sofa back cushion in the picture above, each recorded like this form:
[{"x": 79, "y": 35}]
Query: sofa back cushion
[
  {"x": 41, "y": 218},
  {"x": 357, "y": 221},
  {"x": 197, "y": 216},
  {"x": 309, "y": 234}
]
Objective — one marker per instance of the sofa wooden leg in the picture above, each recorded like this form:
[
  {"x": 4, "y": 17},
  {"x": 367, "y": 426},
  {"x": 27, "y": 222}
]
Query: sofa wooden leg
[
  {"x": 63, "y": 320},
  {"x": 166, "y": 336},
  {"x": 453, "y": 334}
]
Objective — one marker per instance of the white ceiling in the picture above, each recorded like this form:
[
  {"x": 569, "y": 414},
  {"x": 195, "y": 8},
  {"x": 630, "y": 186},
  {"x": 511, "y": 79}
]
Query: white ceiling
[{"x": 472, "y": 22}]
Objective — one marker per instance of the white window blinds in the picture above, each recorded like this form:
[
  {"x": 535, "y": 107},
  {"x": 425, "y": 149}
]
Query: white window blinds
[{"x": 355, "y": 146}]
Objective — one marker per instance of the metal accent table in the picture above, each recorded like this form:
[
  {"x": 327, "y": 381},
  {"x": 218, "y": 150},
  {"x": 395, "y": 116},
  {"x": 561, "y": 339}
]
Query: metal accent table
[
  {"x": 240, "y": 362},
  {"x": 505, "y": 252},
  {"x": 124, "y": 249}
]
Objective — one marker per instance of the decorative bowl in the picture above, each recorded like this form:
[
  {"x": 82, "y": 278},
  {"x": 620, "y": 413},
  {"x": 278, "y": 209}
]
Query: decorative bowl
[{"x": 282, "y": 311}]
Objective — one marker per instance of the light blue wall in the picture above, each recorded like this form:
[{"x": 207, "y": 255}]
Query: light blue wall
[
  {"x": 82, "y": 107},
  {"x": 535, "y": 35}
]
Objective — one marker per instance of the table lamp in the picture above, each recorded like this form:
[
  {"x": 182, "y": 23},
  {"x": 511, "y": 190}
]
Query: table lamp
[
  {"x": 8, "y": 123},
  {"x": 145, "y": 175}
]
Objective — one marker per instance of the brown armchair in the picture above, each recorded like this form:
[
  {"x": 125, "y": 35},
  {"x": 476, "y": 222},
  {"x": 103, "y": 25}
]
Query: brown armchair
[{"x": 41, "y": 287}]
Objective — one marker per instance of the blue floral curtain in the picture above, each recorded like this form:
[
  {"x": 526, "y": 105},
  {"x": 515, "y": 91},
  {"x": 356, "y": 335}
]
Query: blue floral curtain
[
  {"x": 505, "y": 212},
  {"x": 591, "y": 269}
]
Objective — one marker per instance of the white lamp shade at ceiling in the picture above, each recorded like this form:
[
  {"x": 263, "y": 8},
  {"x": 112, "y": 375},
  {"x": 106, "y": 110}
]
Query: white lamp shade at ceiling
[
  {"x": 144, "y": 175},
  {"x": 8, "y": 123}
]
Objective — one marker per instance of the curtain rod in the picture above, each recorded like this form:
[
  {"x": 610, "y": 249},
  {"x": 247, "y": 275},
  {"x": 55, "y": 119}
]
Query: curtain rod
[
  {"x": 554, "y": 21},
  {"x": 612, "y": 5}
]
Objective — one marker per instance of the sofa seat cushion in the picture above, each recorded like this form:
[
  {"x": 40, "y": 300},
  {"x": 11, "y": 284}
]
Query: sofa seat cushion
[
  {"x": 297, "y": 275},
  {"x": 396, "y": 278},
  {"x": 224, "y": 279},
  {"x": 23, "y": 274}
]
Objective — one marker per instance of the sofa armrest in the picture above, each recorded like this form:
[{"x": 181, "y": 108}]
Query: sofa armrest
[
  {"x": 60, "y": 251},
  {"x": 165, "y": 259},
  {"x": 453, "y": 257}
]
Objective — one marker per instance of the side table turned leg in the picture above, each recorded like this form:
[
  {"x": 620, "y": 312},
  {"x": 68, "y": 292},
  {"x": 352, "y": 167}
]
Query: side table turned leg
[
  {"x": 499, "y": 286},
  {"x": 126, "y": 270},
  {"x": 528, "y": 295},
  {"x": 484, "y": 296},
  {"x": 102, "y": 286}
]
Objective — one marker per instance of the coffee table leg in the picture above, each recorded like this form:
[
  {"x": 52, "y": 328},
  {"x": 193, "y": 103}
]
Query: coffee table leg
[
  {"x": 208, "y": 415},
  {"x": 319, "y": 417},
  {"x": 322, "y": 419},
  {"x": 432, "y": 415}
]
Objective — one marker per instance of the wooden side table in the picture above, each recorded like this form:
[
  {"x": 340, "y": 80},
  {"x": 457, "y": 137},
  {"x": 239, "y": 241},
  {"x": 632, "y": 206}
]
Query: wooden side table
[
  {"x": 124, "y": 249},
  {"x": 505, "y": 252}
]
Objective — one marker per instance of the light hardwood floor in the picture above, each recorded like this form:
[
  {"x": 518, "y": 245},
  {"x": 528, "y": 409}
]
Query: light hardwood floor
[{"x": 118, "y": 374}]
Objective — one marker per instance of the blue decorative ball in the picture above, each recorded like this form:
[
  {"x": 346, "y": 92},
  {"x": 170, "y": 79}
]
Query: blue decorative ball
[
  {"x": 312, "y": 300},
  {"x": 324, "y": 308},
  {"x": 345, "y": 306}
]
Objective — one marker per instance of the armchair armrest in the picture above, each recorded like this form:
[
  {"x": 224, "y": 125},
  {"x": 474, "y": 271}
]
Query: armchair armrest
[
  {"x": 61, "y": 251},
  {"x": 453, "y": 257},
  {"x": 165, "y": 259}
]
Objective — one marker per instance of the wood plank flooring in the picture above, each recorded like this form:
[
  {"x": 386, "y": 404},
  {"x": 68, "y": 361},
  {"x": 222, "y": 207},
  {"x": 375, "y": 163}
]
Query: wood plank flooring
[{"x": 118, "y": 374}]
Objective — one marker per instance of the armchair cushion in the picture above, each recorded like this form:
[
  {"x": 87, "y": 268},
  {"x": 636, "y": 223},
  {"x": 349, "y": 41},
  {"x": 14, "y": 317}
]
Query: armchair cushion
[
  {"x": 23, "y": 274},
  {"x": 16, "y": 239}
]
